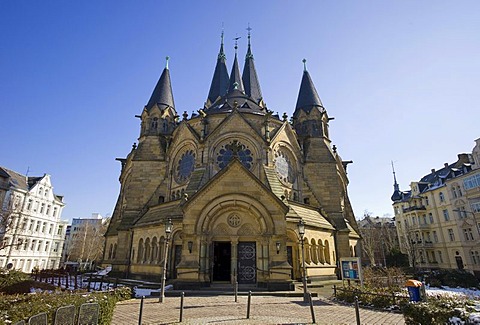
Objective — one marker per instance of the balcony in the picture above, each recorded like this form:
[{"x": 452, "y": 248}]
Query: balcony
[{"x": 415, "y": 208}]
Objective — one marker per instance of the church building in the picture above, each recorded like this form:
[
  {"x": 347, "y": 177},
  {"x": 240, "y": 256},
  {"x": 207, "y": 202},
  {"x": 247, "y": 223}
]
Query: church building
[{"x": 220, "y": 194}]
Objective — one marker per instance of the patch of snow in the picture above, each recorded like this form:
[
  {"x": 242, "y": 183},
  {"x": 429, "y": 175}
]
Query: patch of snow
[
  {"x": 454, "y": 292},
  {"x": 139, "y": 292}
]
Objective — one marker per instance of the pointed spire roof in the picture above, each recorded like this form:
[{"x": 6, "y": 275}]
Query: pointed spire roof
[
  {"x": 220, "y": 78},
  {"x": 249, "y": 76},
  {"x": 308, "y": 96},
  {"x": 235, "y": 77},
  {"x": 162, "y": 94},
  {"x": 397, "y": 195}
]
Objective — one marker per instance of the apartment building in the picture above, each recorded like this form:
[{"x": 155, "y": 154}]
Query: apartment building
[
  {"x": 438, "y": 218},
  {"x": 32, "y": 232}
]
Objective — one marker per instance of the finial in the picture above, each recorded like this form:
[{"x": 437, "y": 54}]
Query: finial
[
  {"x": 304, "y": 64},
  {"x": 166, "y": 64},
  {"x": 284, "y": 117},
  {"x": 236, "y": 43},
  {"x": 185, "y": 115},
  {"x": 249, "y": 30},
  {"x": 235, "y": 85},
  {"x": 334, "y": 149},
  {"x": 222, "y": 33}
]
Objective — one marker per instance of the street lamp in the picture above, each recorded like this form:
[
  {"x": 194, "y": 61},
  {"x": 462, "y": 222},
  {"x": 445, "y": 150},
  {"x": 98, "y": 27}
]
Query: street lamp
[
  {"x": 168, "y": 230},
  {"x": 301, "y": 231}
]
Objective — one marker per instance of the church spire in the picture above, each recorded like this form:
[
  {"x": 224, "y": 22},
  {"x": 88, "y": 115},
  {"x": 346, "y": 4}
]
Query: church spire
[
  {"x": 249, "y": 76},
  {"x": 396, "y": 189},
  {"x": 235, "y": 77},
  {"x": 162, "y": 94},
  {"x": 220, "y": 78},
  {"x": 307, "y": 96}
]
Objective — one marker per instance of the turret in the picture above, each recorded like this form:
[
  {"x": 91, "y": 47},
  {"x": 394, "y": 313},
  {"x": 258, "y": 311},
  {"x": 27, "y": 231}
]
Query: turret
[
  {"x": 249, "y": 76},
  {"x": 219, "y": 85}
]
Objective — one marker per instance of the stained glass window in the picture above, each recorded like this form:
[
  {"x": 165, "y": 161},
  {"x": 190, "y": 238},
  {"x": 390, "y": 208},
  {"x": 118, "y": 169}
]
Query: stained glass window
[
  {"x": 185, "y": 166},
  {"x": 232, "y": 149}
]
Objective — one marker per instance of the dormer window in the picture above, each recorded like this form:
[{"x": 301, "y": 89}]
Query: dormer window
[{"x": 441, "y": 196}]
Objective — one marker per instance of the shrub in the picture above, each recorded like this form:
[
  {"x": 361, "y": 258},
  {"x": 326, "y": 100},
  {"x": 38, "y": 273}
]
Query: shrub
[
  {"x": 452, "y": 278},
  {"x": 390, "y": 279},
  {"x": 17, "y": 307},
  {"x": 435, "y": 311},
  {"x": 11, "y": 277}
]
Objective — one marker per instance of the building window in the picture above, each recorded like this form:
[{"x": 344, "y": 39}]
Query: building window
[
  {"x": 445, "y": 215},
  {"x": 55, "y": 211},
  {"x": 44, "y": 227},
  {"x": 55, "y": 247},
  {"x": 30, "y": 226},
  {"x": 442, "y": 197},
  {"x": 435, "y": 237},
  {"x": 430, "y": 216},
  {"x": 451, "y": 234},
  {"x": 60, "y": 230},
  {"x": 476, "y": 207},
  {"x": 454, "y": 191},
  {"x": 39, "y": 245},
  {"x": 426, "y": 201},
  {"x": 50, "y": 230},
  {"x": 42, "y": 208},
  {"x": 46, "y": 246},
  {"x": 37, "y": 227},
  {"x": 468, "y": 234},
  {"x": 48, "y": 210},
  {"x": 413, "y": 221},
  {"x": 32, "y": 246},
  {"x": 29, "y": 206},
  {"x": 471, "y": 182},
  {"x": 425, "y": 219},
  {"x": 40, "y": 191},
  {"x": 440, "y": 256}
]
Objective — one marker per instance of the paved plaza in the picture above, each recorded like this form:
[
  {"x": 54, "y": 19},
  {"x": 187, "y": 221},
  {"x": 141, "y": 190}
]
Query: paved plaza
[{"x": 264, "y": 309}]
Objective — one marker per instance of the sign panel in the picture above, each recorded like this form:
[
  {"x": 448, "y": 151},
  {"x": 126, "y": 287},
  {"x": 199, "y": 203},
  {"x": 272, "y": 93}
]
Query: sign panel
[{"x": 351, "y": 269}]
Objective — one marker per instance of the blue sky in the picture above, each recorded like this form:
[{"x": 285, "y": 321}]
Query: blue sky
[{"x": 400, "y": 77}]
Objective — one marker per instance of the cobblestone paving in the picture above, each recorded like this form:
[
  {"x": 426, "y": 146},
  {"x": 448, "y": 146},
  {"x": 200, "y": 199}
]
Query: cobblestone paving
[{"x": 264, "y": 310}]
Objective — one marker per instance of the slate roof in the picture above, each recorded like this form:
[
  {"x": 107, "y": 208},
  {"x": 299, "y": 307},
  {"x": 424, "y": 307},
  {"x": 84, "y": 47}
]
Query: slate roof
[
  {"x": 275, "y": 185},
  {"x": 236, "y": 99},
  {"x": 162, "y": 93},
  {"x": 158, "y": 215},
  {"x": 311, "y": 216},
  {"x": 250, "y": 78},
  {"x": 16, "y": 180},
  {"x": 307, "y": 96},
  {"x": 220, "y": 80},
  {"x": 235, "y": 77}
]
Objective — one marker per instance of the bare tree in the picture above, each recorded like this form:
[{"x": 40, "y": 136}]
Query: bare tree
[
  {"x": 8, "y": 206},
  {"x": 379, "y": 237},
  {"x": 87, "y": 243}
]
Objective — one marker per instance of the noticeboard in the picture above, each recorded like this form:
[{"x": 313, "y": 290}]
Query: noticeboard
[{"x": 351, "y": 269}]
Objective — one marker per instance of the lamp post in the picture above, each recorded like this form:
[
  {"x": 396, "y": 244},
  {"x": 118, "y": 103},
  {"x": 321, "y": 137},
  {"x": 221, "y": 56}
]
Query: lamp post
[
  {"x": 168, "y": 230},
  {"x": 301, "y": 231}
]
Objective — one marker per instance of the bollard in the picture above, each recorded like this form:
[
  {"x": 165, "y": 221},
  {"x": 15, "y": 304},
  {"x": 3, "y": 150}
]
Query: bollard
[
  {"x": 236, "y": 291},
  {"x": 181, "y": 306},
  {"x": 311, "y": 307},
  {"x": 141, "y": 311},
  {"x": 335, "y": 291},
  {"x": 357, "y": 312},
  {"x": 248, "y": 304}
]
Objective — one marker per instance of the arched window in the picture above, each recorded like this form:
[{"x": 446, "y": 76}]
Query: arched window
[
  {"x": 326, "y": 250},
  {"x": 147, "y": 256},
  {"x": 140, "y": 251},
  {"x": 110, "y": 251},
  {"x": 161, "y": 199},
  {"x": 154, "y": 123},
  {"x": 154, "y": 258},
  {"x": 314, "y": 251},
  {"x": 441, "y": 196},
  {"x": 321, "y": 253}
]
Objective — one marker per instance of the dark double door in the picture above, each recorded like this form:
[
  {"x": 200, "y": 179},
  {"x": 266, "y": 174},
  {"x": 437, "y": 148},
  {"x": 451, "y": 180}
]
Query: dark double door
[{"x": 246, "y": 262}]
